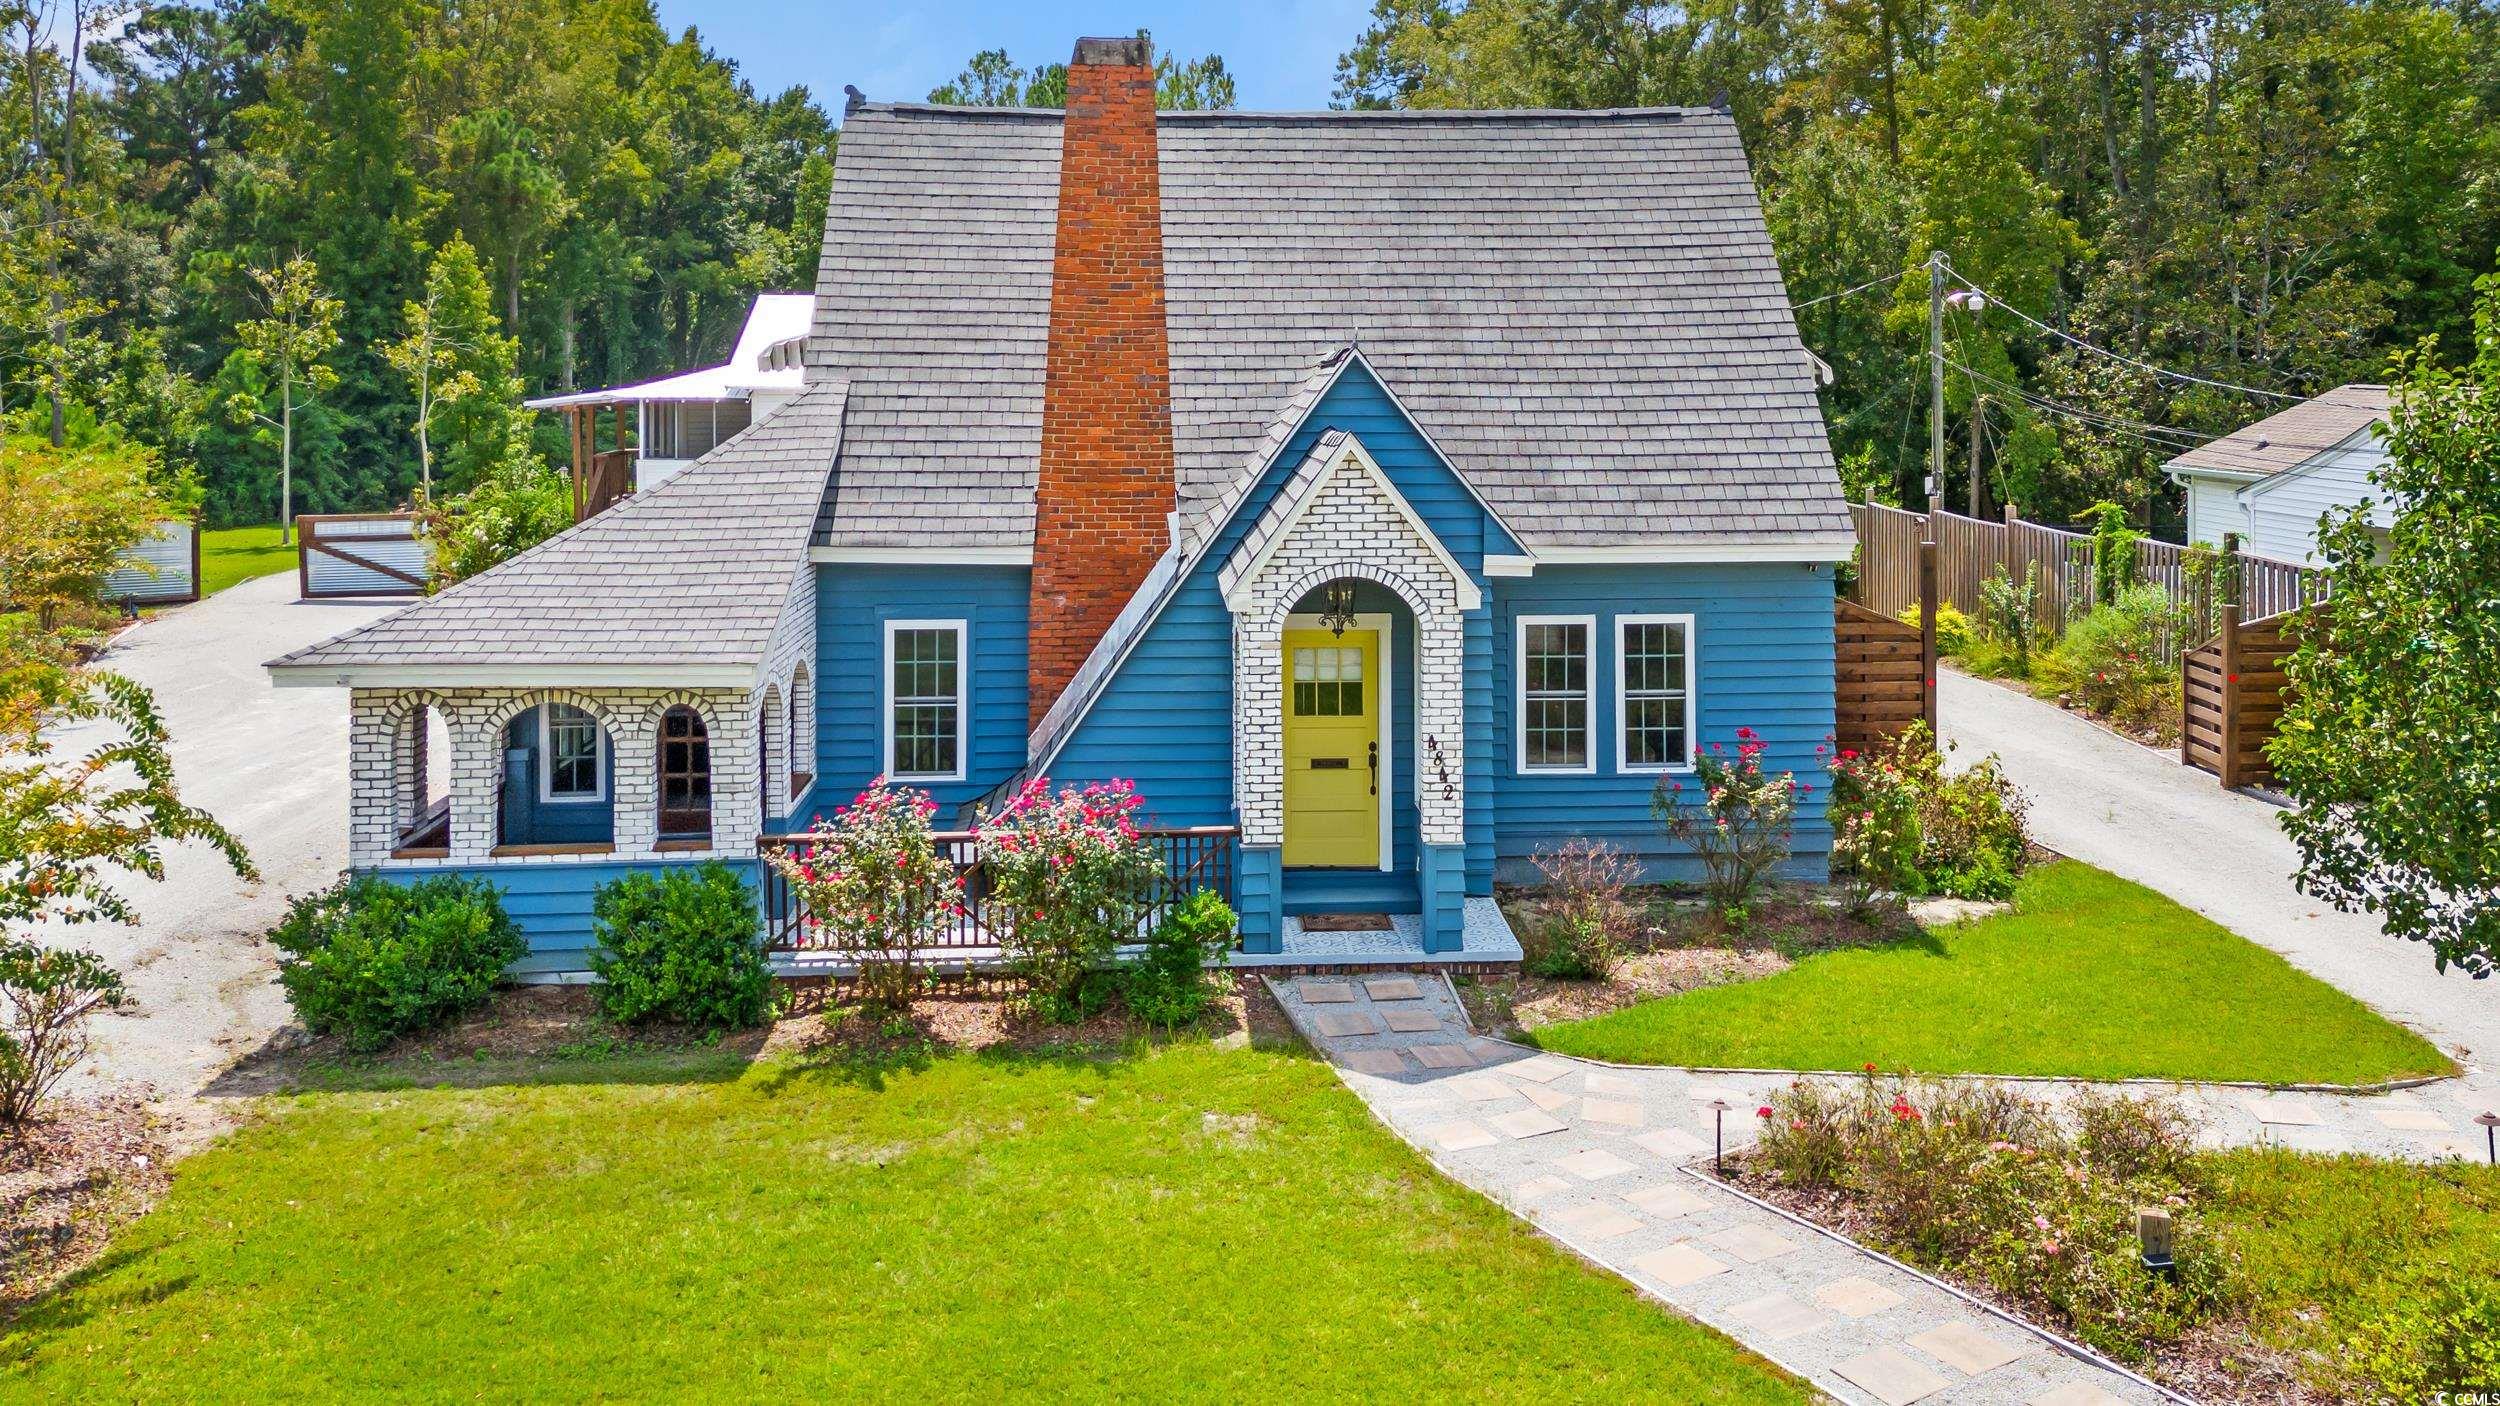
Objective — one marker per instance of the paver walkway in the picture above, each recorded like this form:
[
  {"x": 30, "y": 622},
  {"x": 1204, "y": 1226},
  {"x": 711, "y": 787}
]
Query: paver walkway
[{"x": 1593, "y": 1155}]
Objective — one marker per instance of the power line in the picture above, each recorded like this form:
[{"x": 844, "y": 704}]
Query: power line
[
  {"x": 2173, "y": 437},
  {"x": 2144, "y": 366},
  {"x": 1845, "y": 292}
]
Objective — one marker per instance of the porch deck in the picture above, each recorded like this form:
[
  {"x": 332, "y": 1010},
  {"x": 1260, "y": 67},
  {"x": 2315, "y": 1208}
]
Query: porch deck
[{"x": 1486, "y": 941}]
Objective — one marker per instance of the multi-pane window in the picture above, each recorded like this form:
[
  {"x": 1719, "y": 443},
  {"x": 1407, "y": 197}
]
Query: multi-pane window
[
  {"x": 1554, "y": 694},
  {"x": 569, "y": 749},
  {"x": 924, "y": 699},
  {"x": 1654, "y": 671},
  {"x": 685, "y": 775},
  {"x": 1328, "y": 682}
]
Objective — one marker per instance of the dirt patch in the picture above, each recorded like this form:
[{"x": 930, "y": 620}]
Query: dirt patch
[
  {"x": 821, "y": 1025},
  {"x": 68, "y": 1180},
  {"x": 2215, "y": 1361},
  {"x": 1510, "y": 1005}
]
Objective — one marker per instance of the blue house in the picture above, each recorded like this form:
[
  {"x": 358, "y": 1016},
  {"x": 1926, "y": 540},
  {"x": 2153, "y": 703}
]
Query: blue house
[{"x": 1400, "y": 492}]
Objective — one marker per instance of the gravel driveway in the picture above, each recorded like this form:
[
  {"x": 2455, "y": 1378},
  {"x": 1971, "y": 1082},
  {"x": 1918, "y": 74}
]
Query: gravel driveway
[
  {"x": 271, "y": 765},
  {"x": 2141, "y": 815}
]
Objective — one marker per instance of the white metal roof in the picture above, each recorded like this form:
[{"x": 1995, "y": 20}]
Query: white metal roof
[{"x": 774, "y": 318}]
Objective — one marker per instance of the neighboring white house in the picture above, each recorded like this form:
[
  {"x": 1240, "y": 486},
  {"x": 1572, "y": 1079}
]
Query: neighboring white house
[
  {"x": 679, "y": 419},
  {"x": 2271, "y": 481}
]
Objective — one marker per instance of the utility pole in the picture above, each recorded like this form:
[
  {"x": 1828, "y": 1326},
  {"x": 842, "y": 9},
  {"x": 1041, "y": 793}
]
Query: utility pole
[{"x": 1935, "y": 380}]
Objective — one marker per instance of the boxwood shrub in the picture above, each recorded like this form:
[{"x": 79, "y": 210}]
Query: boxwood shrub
[
  {"x": 683, "y": 946},
  {"x": 371, "y": 960}
]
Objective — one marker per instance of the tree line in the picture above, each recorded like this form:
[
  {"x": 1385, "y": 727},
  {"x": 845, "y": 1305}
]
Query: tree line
[
  {"x": 2272, "y": 194},
  {"x": 342, "y": 237}
]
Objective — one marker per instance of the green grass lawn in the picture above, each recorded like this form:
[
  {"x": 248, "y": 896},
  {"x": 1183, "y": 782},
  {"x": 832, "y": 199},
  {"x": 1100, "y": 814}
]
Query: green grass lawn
[
  {"x": 2379, "y": 1274},
  {"x": 232, "y": 555},
  {"x": 1192, "y": 1224},
  {"x": 2091, "y": 976}
]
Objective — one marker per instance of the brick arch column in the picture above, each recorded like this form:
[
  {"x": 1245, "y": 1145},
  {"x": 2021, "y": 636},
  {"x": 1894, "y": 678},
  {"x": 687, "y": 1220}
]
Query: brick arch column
[
  {"x": 477, "y": 754},
  {"x": 1392, "y": 558}
]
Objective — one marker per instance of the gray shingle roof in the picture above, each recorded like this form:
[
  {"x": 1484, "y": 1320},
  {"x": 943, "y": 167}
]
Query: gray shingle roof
[
  {"x": 693, "y": 571},
  {"x": 2291, "y": 437},
  {"x": 1581, "y": 308}
]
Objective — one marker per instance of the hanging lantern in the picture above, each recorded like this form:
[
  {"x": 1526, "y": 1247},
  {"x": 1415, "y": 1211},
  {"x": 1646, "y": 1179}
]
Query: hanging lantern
[{"x": 1338, "y": 612}]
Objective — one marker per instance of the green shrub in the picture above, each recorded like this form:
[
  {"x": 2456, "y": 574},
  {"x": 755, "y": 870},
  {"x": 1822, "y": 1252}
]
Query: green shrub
[
  {"x": 2445, "y": 1347},
  {"x": 1169, "y": 984},
  {"x": 370, "y": 959},
  {"x": 1070, "y": 880},
  {"x": 1740, "y": 827},
  {"x": 1586, "y": 923},
  {"x": 1977, "y": 1179},
  {"x": 1901, "y": 823},
  {"x": 2112, "y": 661},
  {"x": 684, "y": 946},
  {"x": 2113, "y": 552},
  {"x": 2009, "y": 620},
  {"x": 1955, "y": 632}
]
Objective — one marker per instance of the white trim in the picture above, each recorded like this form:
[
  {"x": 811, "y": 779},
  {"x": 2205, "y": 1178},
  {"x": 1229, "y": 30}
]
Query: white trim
[
  {"x": 547, "y": 756},
  {"x": 1498, "y": 565},
  {"x": 457, "y": 676},
  {"x": 1692, "y": 696},
  {"x": 1519, "y": 698},
  {"x": 1470, "y": 596},
  {"x": 963, "y": 707},
  {"x": 1384, "y": 724},
  {"x": 1668, "y": 553},
  {"x": 921, "y": 556}
]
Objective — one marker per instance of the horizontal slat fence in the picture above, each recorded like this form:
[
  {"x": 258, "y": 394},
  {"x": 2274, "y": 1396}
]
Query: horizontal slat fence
[
  {"x": 1194, "y": 858},
  {"x": 2232, "y": 693},
  {"x": 1971, "y": 550},
  {"x": 340, "y": 555},
  {"x": 162, "y": 568},
  {"x": 1882, "y": 677}
]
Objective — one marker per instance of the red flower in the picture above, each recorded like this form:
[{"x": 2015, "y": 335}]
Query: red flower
[{"x": 1763, "y": 1112}]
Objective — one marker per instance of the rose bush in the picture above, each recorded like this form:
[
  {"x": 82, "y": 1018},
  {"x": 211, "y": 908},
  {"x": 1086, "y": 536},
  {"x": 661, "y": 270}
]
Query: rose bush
[
  {"x": 1740, "y": 824},
  {"x": 875, "y": 889},
  {"x": 1071, "y": 879}
]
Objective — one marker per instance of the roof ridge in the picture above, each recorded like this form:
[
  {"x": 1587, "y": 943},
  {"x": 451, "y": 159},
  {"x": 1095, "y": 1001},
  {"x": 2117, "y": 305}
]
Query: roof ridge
[{"x": 1350, "y": 116}]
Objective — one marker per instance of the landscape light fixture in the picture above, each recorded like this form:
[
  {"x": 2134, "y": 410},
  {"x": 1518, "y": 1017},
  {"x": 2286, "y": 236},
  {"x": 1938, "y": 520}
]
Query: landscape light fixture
[
  {"x": 2153, "y": 1232},
  {"x": 2491, "y": 1127},
  {"x": 1718, "y": 1134}
]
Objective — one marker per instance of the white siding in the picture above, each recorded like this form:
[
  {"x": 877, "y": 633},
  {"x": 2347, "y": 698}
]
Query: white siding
[
  {"x": 2213, "y": 508},
  {"x": 169, "y": 552},
  {"x": 2284, "y": 510}
]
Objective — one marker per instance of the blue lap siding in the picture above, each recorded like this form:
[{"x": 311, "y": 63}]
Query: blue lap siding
[
  {"x": 853, "y": 602},
  {"x": 550, "y": 900},
  {"x": 1764, "y": 662}
]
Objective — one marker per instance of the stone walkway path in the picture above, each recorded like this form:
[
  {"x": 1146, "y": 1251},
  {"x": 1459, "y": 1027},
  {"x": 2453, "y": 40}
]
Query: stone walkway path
[{"x": 1594, "y": 1156}]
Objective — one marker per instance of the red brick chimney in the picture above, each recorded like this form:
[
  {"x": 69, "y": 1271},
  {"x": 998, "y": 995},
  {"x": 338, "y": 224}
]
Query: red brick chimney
[{"x": 1101, "y": 508}]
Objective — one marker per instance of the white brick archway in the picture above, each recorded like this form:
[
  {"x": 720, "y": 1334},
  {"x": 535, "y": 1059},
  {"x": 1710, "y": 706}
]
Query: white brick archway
[{"x": 1352, "y": 526}]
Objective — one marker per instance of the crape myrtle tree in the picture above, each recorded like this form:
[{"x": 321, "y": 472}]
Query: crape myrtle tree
[{"x": 2390, "y": 741}]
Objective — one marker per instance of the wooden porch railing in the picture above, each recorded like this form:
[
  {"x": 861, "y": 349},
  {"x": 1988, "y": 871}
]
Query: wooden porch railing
[{"x": 1194, "y": 858}]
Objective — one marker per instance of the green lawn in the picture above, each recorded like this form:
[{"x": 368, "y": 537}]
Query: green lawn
[
  {"x": 2377, "y": 1274},
  {"x": 232, "y": 555},
  {"x": 2091, "y": 976},
  {"x": 1187, "y": 1224}
]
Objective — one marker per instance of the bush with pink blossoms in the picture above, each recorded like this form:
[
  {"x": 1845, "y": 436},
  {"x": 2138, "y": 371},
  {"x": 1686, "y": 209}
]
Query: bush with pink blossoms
[
  {"x": 875, "y": 888},
  {"x": 1739, "y": 825},
  {"x": 1071, "y": 879}
]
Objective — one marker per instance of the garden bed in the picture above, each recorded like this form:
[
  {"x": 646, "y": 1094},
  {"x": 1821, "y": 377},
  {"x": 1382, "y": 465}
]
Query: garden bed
[{"x": 2301, "y": 1277}]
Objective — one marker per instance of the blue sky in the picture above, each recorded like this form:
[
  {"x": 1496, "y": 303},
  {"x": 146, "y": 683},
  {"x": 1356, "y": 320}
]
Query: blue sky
[{"x": 1282, "y": 53}]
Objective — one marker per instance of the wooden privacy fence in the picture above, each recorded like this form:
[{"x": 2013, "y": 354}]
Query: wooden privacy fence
[
  {"x": 1883, "y": 676},
  {"x": 2232, "y": 690},
  {"x": 1971, "y": 550},
  {"x": 342, "y": 555},
  {"x": 1194, "y": 858},
  {"x": 161, "y": 569}
]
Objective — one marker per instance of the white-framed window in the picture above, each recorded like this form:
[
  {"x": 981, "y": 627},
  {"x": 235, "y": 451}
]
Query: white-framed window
[
  {"x": 924, "y": 699},
  {"x": 1554, "y": 698},
  {"x": 1654, "y": 695},
  {"x": 572, "y": 756}
]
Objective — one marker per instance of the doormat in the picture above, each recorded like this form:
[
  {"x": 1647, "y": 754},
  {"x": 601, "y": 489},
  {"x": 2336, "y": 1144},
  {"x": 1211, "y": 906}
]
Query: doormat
[{"x": 1347, "y": 922}]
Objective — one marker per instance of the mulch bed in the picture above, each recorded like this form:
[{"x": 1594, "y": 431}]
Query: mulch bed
[
  {"x": 1682, "y": 946},
  {"x": 70, "y": 1177},
  {"x": 2219, "y": 1361}
]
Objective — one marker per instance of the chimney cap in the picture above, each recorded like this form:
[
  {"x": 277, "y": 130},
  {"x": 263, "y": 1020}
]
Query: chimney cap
[{"x": 1134, "y": 51}]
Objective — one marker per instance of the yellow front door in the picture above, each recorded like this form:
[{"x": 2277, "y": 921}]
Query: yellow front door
[{"x": 1332, "y": 749}]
